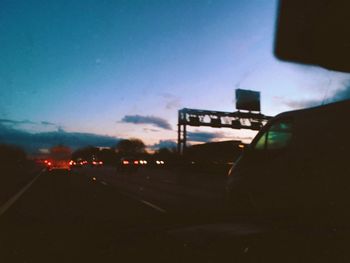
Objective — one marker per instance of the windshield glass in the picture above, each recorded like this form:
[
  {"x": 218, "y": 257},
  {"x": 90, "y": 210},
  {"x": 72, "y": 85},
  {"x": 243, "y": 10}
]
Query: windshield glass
[{"x": 129, "y": 115}]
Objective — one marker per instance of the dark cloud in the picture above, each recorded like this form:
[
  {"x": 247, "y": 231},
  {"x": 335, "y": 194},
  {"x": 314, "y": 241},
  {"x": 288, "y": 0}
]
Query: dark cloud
[
  {"x": 32, "y": 142},
  {"x": 170, "y": 144},
  {"x": 204, "y": 136},
  {"x": 47, "y": 123},
  {"x": 7, "y": 121},
  {"x": 138, "y": 119},
  {"x": 14, "y": 122}
]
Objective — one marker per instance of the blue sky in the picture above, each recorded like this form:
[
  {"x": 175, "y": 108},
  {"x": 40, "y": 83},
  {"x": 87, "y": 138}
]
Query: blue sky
[{"x": 85, "y": 65}]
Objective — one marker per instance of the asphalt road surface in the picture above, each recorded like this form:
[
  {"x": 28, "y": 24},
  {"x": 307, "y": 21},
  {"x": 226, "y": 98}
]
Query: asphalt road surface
[{"x": 100, "y": 215}]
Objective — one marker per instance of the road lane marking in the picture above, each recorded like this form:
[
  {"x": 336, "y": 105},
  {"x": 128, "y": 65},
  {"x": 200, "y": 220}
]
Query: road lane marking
[
  {"x": 139, "y": 200},
  {"x": 13, "y": 199},
  {"x": 153, "y": 206}
]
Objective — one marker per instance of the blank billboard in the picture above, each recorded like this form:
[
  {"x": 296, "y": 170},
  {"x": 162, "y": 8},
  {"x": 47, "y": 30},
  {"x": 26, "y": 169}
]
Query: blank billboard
[{"x": 247, "y": 100}]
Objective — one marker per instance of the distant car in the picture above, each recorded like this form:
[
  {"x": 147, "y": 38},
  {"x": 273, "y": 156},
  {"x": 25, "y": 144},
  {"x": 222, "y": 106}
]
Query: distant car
[
  {"x": 143, "y": 162},
  {"x": 79, "y": 163},
  {"x": 160, "y": 162},
  {"x": 129, "y": 164},
  {"x": 130, "y": 161},
  {"x": 96, "y": 163},
  {"x": 59, "y": 158},
  {"x": 57, "y": 165},
  {"x": 156, "y": 162},
  {"x": 297, "y": 164}
]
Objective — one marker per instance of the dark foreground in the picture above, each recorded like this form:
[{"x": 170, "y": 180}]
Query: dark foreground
[{"x": 98, "y": 215}]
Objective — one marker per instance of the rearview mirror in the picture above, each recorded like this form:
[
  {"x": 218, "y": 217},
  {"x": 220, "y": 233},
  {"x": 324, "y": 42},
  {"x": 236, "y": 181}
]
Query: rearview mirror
[{"x": 314, "y": 32}]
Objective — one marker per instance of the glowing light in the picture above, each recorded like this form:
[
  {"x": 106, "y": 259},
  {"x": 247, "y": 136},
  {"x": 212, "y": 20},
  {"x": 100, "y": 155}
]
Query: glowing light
[
  {"x": 241, "y": 146},
  {"x": 94, "y": 178},
  {"x": 125, "y": 162},
  {"x": 157, "y": 162},
  {"x": 136, "y": 162},
  {"x": 49, "y": 163},
  {"x": 161, "y": 162},
  {"x": 100, "y": 162}
]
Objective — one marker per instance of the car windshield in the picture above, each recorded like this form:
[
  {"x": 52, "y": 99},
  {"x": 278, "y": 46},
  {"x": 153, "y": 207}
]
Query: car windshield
[{"x": 121, "y": 123}]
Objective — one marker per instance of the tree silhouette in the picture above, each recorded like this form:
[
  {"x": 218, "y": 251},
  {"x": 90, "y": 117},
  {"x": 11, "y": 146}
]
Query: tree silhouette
[
  {"x": 131, "y": 147},
  {"x": 86, "y": 153}
]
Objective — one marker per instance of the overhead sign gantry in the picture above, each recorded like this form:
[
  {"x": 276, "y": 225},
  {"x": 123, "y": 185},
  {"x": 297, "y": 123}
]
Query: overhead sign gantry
[{"x": 248, "y": 116}]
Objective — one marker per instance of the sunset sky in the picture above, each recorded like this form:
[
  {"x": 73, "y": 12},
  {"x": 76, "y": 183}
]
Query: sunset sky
[{"x": 105, "y": 70}]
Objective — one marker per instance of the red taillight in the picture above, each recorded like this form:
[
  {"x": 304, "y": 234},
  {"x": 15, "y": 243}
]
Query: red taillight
[
  {"x": 136, "y": 162},
  {"x": 100, "y": 162},
  {"x": 49, "y": 163},
  {"x": 125, "y": 162}
]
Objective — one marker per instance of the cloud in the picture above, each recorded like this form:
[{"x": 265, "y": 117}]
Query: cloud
[
  {"x": 23, "y": 122},
  {"x": 14, "y": 122},
  {"x": 47, "y": 123},
  {"x": 138, "y": 119},
  {"x": 32, "y": 142},
  {"x": 150, "y": 130},
  {"x": 204, "y": 136},
  {"x": 7, "y": 121},
  {"x": 164, "y": 144}
]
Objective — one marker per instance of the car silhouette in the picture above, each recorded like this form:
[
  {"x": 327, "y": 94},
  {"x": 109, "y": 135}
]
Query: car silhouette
[{"x": 298, "y": 164}]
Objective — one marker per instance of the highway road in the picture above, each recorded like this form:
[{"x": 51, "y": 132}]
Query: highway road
[
  {"x": 100, "y": 215},
  {"x": 63, "y": 217}
]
